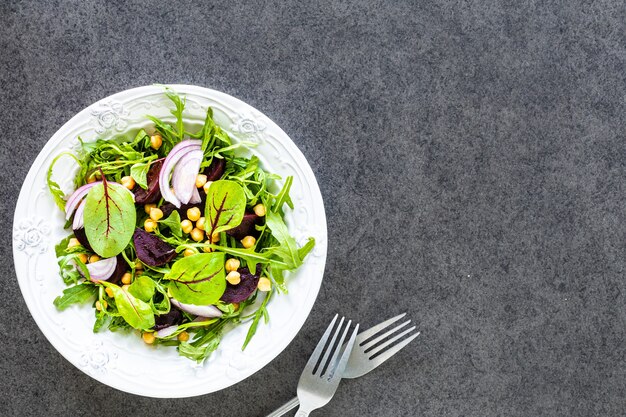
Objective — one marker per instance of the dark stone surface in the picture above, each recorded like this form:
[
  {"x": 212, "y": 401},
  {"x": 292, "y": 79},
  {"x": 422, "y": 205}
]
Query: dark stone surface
[{"x": 472, "y": 159}]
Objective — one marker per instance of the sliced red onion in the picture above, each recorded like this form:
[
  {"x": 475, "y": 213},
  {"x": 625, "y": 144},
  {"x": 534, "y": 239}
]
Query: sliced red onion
[
  {"x": 195, "y": 197},
  {"x": 167, "y": 331},
  {"x": 78, "y": 222},
  {"x": 102, "y": 269},
  {"x": 170, "y": 162},
  {"x": 74, "y": 200},
  {"x": 185, "y": 174},
  {"x": 204, "y": 311}
]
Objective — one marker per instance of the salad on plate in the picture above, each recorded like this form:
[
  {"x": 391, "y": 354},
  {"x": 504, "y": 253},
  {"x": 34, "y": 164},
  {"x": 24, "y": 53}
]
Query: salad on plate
[{"x": 176, "y": 235}]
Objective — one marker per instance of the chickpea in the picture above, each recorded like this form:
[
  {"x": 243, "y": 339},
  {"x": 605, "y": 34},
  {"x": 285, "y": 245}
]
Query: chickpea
[
  {"x": 201, "y": 223},
  {"x": 197, "y": 235},
  {"x": 156, "y": 141},
  {"x": 248, "y": 242},
  {"x": 187, "y": 226},
  {"x": 149, "y": 225},
  {"x": 149, "y": 207},
  {"x": 128, "y": 182},
  {"x": 189, "y": 252},
  {"x": 73, "y": 242},
  {"x": 148, "y": 337},
  {"x": 94, "y": 258},
  {"x": 232, "y": 264},
  {"x": 193, "y": 214},
  {"x": 156, "y": 214},
  {"x": 264, "y": 284},
  {"x": 259, "y": 210},
  {"x": 83, "y": 258},
  {"x": 183, "y": 336},
  {"x": 127, "y": 278},
  {"x": 200, "y": 180},
  {"x": 233, "y": 277}
]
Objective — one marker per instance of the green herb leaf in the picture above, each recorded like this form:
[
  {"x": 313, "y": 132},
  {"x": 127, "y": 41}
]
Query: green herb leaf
[
  {"x": 261, "y": 312},
  {"x": 55, "y": 189},
  {"x": 173, "y": 223},
  {"x": 288, "y": 251},
  {"x": 137, "y": 313},
  {"x": 225, "y": 206},
  {"x": 198, "y": 279},
  {"x": 177, "y": 112},
  {"x": 139, "y": 172},
  {"x": 143, "y": 287},
  {"x": 74, "y": 295},
  {"x": 109, "y": 218}
]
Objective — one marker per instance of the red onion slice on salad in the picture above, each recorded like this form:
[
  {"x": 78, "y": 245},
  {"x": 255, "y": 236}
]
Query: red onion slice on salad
[
  {"x": 204, "y": 311},
  {"x": 77, "y": 196},
  {"x": 170, "y": 162},
  {"x": 101, "y": 270},
  {"x": 78, "y": 222},
  {"x": 185, "y": 173},
  {"x": 195, "y": 196},
  {"x": 168, "y": 331}
]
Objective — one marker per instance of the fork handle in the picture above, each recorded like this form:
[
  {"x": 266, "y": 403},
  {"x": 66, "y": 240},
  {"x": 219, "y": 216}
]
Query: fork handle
[{"x": 289, "y": 405}]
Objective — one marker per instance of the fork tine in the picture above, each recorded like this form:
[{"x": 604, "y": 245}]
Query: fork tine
[
  {"x": 384, "y": 335},
  {"x": 332, "y": 364},
  {"x": 320, "y": 369},
  {"x": 382, "y": 346},
  {"x": 345, "y": 355},
  {"x": 389, "y": 353},
  {"x": 372, "y": 331},
  {"x": 310, "y": 365}
]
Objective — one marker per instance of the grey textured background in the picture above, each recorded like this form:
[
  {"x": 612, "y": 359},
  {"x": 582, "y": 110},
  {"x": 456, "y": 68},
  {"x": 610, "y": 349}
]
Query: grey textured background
[{"x": 471, "y": 155}]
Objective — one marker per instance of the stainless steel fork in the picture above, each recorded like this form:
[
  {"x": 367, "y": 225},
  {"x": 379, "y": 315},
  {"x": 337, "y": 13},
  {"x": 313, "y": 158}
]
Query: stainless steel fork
[
  {"x": 362, "y": 358},
  {"x": 320, "y": 378}
]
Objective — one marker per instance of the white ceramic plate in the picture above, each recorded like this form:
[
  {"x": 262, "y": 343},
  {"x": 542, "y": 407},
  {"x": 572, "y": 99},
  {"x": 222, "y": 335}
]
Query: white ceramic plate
[{"x": 122, "y": 360}]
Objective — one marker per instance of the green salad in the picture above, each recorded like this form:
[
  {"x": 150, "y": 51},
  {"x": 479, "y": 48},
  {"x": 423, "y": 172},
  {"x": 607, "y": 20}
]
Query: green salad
[{"x": 175, "y": 234}]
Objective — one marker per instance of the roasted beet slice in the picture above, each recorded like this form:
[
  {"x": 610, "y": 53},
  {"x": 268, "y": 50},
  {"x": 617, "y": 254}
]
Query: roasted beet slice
[
  {"x": 245, "y": 288},
  {"x": 120, "y": 270},
  {"x": 173, "y": 317},
  {"x": 246, "y": 227},
  {"x": 82, "y": 238},
  {"x": 152, "y": 194},
  {"x": 215, "y": 171},
  {"x": 151, "y": 250}
]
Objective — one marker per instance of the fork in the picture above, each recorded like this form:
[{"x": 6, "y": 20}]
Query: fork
[
  {"x": 361, "y": 361},
  {"x": 320, "y": 378}
]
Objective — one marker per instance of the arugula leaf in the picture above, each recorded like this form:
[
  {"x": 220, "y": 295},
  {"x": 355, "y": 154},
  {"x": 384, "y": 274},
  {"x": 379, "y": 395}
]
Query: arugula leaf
[
  {"x": 109, "y": 218},
  {"x": 139, "y": 172},
  {"x": 143, "y": 288},
  {"x": 225, "y": 206},
  {"x": 137, "y": 313},
  {"x": 173, "y": 223},
  {"x": 74, "y": 295},
  {"x": 261, "y": 312},
  {"x": 198, "y": 279},
  {"x": 55, "y": 189},
  {"x": 288, "y": 251},
  {"x": 177, "y": 112},
  {"x": 283, "y": 196},
  {"x": 189, "y": 325},
  {"x": 199, "y": 353}
]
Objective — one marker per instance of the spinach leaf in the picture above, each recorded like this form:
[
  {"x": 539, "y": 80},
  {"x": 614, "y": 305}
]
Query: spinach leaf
[
  {"x": 173, "y": 223},
  {"x": 198, "y": 279},
  {"x": 109, "y": 218},
  {"x": 74, "y": 295},
  {"x": 137, "y": 313},
  {"x": 143, "y": 288},
  {"x": 139, "y": 172},
  {"x": 225, "y": 206}
]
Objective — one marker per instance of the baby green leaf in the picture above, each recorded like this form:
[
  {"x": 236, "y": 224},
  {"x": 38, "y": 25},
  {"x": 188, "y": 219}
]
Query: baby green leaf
[
  {"x": 139, "y": 172},
  {"x": 109, "y": 218},
  {"x": 136, "y": 313},
  {"x": 198, "y": 279},
  {"x": 143, "y": 288},
  {"x": 225, "y": 206},
  {"x": 173, "y": 223},
  {"x": 288, "y": 251},
  {"x": 74, "y": 295}
]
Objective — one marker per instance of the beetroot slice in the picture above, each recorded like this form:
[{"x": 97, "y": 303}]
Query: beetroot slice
[
  {"x": 171, "y": 318},
  {"x": 152, "y": 194},
  {"x": 215, "y": 171},
  {"x": 245, "y": 288},
  {"x": 246, "y": 227},
  {"x": 151, "y": 250},
  {"x": 81, "y": 235},
  {"x": 120, "y": 270}
]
